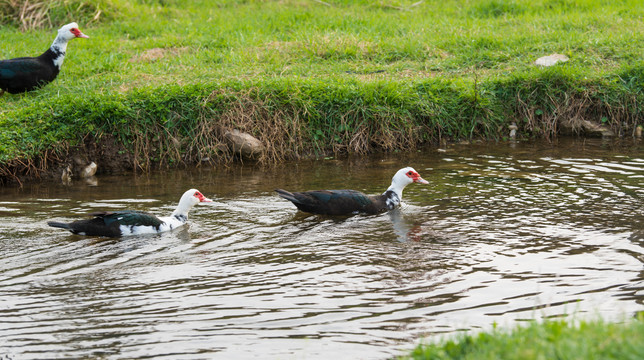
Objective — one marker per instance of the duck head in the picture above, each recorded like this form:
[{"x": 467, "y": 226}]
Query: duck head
[
  {"x": 70, "y": 31},
  {"x": 407, "y": 176},
  {"x": 403, "y": 178},
  {"x": 189, "y": 199}
]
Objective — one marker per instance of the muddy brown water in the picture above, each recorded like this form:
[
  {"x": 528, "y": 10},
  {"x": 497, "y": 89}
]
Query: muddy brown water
[{"x": 504, "y": 233}]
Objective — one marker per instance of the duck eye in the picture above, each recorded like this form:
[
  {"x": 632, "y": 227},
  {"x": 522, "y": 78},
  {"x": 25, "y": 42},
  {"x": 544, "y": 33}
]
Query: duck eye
[{"x": 410, "y": 173}]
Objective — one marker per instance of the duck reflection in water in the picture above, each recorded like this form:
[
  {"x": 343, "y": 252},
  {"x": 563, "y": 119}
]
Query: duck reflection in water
[{"x": 404, "y": 230}]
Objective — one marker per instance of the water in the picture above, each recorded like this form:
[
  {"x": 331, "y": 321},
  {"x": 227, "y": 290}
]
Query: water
[{"x": 504, "y": 233}]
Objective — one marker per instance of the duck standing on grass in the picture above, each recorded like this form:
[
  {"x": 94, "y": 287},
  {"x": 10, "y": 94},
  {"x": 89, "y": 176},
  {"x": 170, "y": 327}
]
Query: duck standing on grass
[
  {"x": 130, "y": 222},
  {"x": 348, "y": 202},
  {"x": 29, "y": 73}
]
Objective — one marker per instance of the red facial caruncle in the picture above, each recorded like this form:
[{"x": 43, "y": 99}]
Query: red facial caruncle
[{"x": 201, "y": 197}]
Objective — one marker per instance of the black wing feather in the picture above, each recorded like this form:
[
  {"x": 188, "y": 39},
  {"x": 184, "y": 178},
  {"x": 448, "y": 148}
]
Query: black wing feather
[
  {"x": 27, "y": 73},
  {"x": 129, "y": 218},
  {"x": 107, "y": 223},
  {"x": 334, "y": 202}
]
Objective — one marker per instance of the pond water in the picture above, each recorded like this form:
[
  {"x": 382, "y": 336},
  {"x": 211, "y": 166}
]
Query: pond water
[{"x": 503, "y": 233}]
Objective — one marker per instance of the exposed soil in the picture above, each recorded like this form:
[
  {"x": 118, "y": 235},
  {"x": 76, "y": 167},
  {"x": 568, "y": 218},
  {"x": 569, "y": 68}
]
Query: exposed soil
[
  {"x": 106, "y": 153},
  {"x": 155, "y": 54}
]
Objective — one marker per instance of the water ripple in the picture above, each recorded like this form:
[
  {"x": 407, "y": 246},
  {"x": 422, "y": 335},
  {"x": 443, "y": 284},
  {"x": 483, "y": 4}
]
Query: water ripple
[{"x": 501, "y": 235}]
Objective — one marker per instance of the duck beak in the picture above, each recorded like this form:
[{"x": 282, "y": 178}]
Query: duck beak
[
  {"x": 420, "y": 180},
  {"x": 79, "y": 34},
  {"x": 202, "y": 198}
]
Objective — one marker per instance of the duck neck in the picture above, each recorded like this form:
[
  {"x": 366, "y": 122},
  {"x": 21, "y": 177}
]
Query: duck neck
[
  {"x": 393, "y": 196},
  {"x": 59, "y": 47},
  {"x": 395, "y": 189},
  {"x": 181, "y": 212}
]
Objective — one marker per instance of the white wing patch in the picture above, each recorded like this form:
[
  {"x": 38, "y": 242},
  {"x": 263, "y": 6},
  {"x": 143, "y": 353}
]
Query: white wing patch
[{"x": 169, "y": 223}]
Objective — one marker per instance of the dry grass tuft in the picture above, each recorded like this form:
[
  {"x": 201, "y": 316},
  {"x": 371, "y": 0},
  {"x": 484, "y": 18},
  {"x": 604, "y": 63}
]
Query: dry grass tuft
[
  {"x": 39, "y": 14},
  {"x": 578, "y": 113},
  {"x": 280, "y": 129}
]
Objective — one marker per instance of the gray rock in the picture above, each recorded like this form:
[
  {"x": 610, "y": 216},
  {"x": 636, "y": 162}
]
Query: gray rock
[
  {"x": 244, "y": 144},
  {"x": 551, "y": 60}
]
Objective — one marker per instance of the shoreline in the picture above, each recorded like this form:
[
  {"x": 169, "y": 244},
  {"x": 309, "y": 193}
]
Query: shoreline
[
  {"x": 170, "y": 126},
  {"x": 77, "y": 161}
]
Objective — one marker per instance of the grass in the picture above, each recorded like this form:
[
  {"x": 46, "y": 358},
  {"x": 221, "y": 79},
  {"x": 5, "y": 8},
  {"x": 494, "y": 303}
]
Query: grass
[
  {"x": 552, "y": 339},
  {"x": 317, "y": 77}
]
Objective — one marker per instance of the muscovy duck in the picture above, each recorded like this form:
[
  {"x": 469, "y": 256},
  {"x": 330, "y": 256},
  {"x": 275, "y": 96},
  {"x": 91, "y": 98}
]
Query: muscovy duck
[
  {"x": 347, "y": 202},
  {"x": 129, "y": 222},
  {"x": 28, "y": 73}
]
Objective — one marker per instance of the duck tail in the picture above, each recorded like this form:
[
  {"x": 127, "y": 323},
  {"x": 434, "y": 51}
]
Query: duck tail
[
  {"x": 287, "y": 195},
  {"x": 58, "y": 225}
]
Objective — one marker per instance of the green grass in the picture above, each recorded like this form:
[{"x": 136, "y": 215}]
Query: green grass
[
  {"x": 552, "y": 339},
  {"x": 354, "y": 76}
]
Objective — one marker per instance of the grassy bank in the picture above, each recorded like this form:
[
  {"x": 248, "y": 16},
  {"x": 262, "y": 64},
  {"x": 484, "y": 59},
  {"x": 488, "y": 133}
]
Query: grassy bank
[
  {"x": 556, "y": 339},
  {"x": 159, "y": 82}
]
